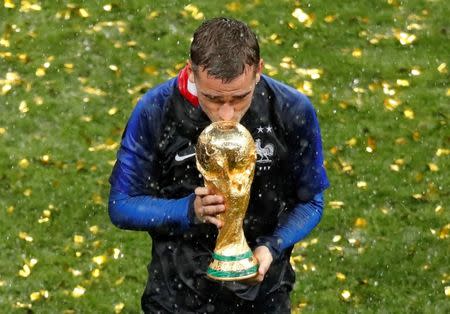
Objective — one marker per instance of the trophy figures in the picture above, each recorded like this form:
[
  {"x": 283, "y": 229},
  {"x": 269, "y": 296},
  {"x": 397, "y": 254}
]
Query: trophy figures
[{"x": 226, "y": 156}]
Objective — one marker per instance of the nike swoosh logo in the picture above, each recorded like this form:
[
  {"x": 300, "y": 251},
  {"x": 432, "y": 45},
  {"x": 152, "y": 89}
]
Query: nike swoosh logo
[{"x": 181, "y": 158}]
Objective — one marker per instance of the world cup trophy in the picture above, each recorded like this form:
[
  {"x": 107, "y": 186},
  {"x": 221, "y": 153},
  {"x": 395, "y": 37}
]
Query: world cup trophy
[{"x": 226, "y": 156}]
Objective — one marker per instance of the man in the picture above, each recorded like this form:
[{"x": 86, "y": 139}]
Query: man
[{"x": 156, "y": 187}]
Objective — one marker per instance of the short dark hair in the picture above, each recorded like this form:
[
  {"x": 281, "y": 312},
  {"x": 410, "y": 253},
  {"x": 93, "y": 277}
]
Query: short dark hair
[{"x": 223, "y": 46}]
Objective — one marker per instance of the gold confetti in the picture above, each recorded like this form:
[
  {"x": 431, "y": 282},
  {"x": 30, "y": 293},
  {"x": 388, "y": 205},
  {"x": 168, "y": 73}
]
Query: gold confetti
[
  {"x": 447, "y": 291},
  {"x": 99, "y": 260},
  {"x": 25, "y": 271},
  {"x": 357, "y": 53},
  {"x": 415, "y": 72},
  {"x": 9, "y": 4},
  {"x": 36, "y": 296},
  {"x": 371, "y": 145},
  {"x": 117, "y": 253},
  {"x": 21, "y": 305},
  {"x": 2, "y": 131},
  {"x": 440, "y": 152},
  {"x": 345, "y": 294},
  {"x": 330, "y": 18},
  {"x": 107, "y": 7},
  {"x": 27, "y": 192},
  {"x": 404, "y": 38},
  {"x": 395, "y": 167},
  {"x": 433, "y": 167},
  {"x": 94, "y": 91},
  {"x": 95, "y": 273},
  {"x": 305, "y": 88},
  {"x": 193, "y": 11},
  {"x": 78, "y": 291},
  {"x": 233, "y": 6},
  {"x": 403, "y": 83},
  {"x": 118, "y": 307},
  {"x": 97, "y": 199},
  {"x": 78, "y": 239},
  {"x": 409, "y": 114},
  {"x": 444, "y": 232},
  {"x": 303, "y": 17},
  {"x": 442, "y": 68},
  {"x": 360, "y": 223},
  {"x": 341, "y": 276},
  {"x": 75, "y": 272},
  {"x": 113, "y": 111},
  {"x": 10, "y": 210},
  {"x": 438, "y": 209},
  {"x": 23, "y": 107},
  {"x": 361, "y": 184},
  {"x": 24, "y": 163},
  {"x": 113, "y": 67},
  {"x": 45, "y": 159},
  {"x": 40, "y": 72},
  {"x": 94, "y": 229},
  {"x": 83, "y": 12},
  {"x": 119, "y": 281},
  {"x": 391, "y": 103},
  {"x": 336, "y": 238},
  {"x": 336, "y": 204},
  {"x": 25, "y": 236}
]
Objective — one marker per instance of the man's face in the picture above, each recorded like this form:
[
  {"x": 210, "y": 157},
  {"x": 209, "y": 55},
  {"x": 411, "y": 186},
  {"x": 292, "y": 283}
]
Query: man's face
[{"x": 226, "y": 101}]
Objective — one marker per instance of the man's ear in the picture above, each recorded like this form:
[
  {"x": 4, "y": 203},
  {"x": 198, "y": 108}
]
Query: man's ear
[
  {"x": 190, "y": 71},
  {"x": 259, "y": 70}
]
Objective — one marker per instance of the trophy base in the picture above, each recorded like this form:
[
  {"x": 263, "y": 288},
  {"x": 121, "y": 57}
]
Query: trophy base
[{"x": 233, "y": 268}]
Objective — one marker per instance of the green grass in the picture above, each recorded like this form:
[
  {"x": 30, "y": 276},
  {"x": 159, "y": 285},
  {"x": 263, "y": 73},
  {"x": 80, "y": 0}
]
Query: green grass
[{"x": 396, "y": 263}]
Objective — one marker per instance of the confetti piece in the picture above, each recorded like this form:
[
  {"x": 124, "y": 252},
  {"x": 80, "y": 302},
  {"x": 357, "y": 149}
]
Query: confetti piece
[
  {"x": 23, "y": 107},
  {"x": 94, "y": 91},
  {"x": 27, "y": 192},
  {"x": 40, "y": 72},
  {"x": 118, "y": 307},
  {"x": 303, "y": 17},
  {"x": 440, "y": 152},
  {"x": 336, "y": 204},
  {"x": 433, "y": 167},
  {"x": 403, "y": 83},
  {"x": 442, "y": 68},
  {"x": 117, "y": 253},
  {"x": 9, "y": 4},
  {"x": 391, "y": 103},
  {"x": 78, "y": 291},
  {"x": 361, "y": 184},
  {"x": 78, "y": 239},
  {"x": 345, "y": 295},
  {"x": 341, "y": 276},
  {"x": 113, "y": 111},
  {"x": 336, "y": 238},
  {"x": 97, "y": 199},
  {"x": 305, "y": 88},
  {"x": 357, "y": 53},
  {"x": 330, "y": 18},
  {"x": 394, "y": 167},
  {"x": 193, "y": 11},
  {"x": 25, "y": 271},
  {"x": 107, "y": 7},
  {"x": 233, "y": 6},
  {"x": 438, "y": 209},
  {"x": 25, "y": 236},
  {"x": 351, "y": 142},
  {"x": 83, "y": 13},
  {"x": 99, "y": 260},
  {"x": 415, "y": 72},
  {"x": 94, "y": 229},
  {"x": 447, "y": 291},
  {"x": 75, "y": 272},
  {"x": 24, "y": 163},
  {"x": 95, "y": 273},
  {"x": 444, "y": 232},
  {"x": 404, "y": 38},
  {"x": 360, "y": 223},
  {"x": 409, "y": 114}
]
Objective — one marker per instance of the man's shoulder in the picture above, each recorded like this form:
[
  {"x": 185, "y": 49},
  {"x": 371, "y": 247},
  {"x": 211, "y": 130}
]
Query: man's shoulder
[
  {"x": 287, "y": 98},
  {"x": 157, "y": 95}
]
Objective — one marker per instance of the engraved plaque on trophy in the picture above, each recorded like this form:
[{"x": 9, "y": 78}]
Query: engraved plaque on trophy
[{"x": 226, "y": 156}]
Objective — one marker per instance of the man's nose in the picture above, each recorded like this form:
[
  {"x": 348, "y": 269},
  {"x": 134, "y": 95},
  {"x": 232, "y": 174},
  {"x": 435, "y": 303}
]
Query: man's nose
[{"x": 226, "y": 112}]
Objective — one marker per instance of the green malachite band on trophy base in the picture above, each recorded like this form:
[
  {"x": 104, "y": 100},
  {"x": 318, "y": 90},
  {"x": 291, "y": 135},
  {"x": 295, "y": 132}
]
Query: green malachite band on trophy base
[
  {"x": 232, "y": 274},
  {"x": 234, "y": 258}
]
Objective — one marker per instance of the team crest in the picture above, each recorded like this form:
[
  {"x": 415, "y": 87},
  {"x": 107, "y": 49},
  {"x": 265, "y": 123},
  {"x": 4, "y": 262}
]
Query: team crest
[{"x": 263, "y": 153}]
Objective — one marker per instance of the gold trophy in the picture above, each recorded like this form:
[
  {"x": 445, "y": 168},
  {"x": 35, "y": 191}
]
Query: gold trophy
[{"x": 226, "y": 156}]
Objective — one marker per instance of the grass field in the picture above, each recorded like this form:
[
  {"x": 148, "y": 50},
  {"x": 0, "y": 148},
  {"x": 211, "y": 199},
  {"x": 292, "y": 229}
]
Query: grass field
[{"x": 376, "y": 71}]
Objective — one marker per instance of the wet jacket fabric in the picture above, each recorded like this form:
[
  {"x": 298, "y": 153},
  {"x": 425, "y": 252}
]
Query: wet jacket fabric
[{"x": 153, "y": 180}]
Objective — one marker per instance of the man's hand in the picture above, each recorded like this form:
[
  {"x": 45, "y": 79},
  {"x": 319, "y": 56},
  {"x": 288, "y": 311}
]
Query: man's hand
[
  {"x": 265, "y": 259},
  {"x": 207, "y": 206}
]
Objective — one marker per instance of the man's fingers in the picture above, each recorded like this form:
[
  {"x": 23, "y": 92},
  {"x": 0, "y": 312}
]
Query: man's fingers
[
  {"x": 201, "y": 191},
  {"x": 213, "y": 220},
  {"x": 212, "y": 210},
  {"x": 212, "y": 200}
]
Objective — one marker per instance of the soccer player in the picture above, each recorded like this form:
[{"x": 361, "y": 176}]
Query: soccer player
[{"x": 156, "y": 187}]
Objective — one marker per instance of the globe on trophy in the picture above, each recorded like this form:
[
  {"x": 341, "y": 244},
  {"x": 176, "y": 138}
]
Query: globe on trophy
[{"x": 226, "y": 156}]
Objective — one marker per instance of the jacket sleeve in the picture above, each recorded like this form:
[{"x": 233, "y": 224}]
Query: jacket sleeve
[
  {"x": 133, "y": 202},
  {"x": 304, "y": 139},
  {"x": 294, "y": 225}
]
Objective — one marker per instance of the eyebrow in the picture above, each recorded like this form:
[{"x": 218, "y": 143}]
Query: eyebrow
[{"x": 220, "y": 97}]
